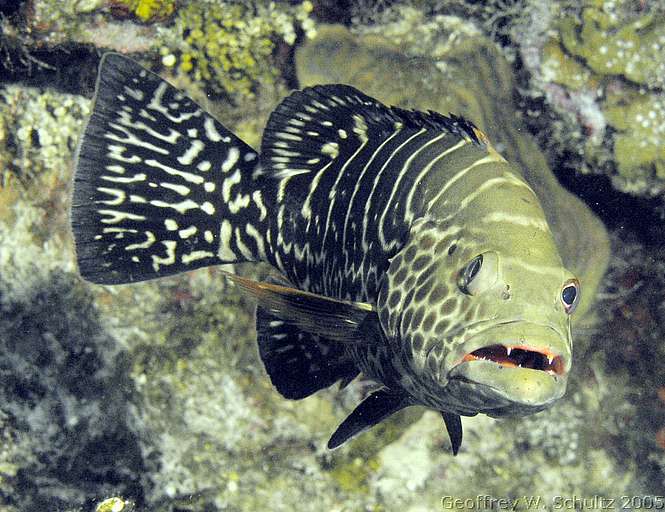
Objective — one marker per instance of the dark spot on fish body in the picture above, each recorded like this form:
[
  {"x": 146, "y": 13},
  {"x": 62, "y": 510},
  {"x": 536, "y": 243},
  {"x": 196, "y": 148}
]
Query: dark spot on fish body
[
  {"x": 452, "y": 249},
  {"x": 427, "y": 242},
  {"x": 417, "y": 342},
  {"x": 470, "y": 313},
  {"x": 428, "y": 322},
  {"x": 394, "y": 299},
  {"x": 441, "y": 245},
  {"x": 420, "y": 262},
  {"x": 418, "y": 316},
  {"x": 441, "y": 327},
  {"x": 448, "y": 307},
  {"x": 425, "y": 276},
  {"x": 438, "y": 293},
  {"x": 406, "y": 318},
  {"x": 400, "y": 276},
  {"x": 410, "y": 253},
  {"x": 423, "y": 289},
  {"x": 408, "y": 285},
  {"x": 396, "y": 262}
]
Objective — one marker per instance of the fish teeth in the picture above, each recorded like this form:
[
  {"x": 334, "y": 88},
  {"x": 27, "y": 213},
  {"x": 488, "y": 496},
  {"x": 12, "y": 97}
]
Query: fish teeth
[
  {"x": 509, "y": 350},
  {"x": 550, "y": 359}
]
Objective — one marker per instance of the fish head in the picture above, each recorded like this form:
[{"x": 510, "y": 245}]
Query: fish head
[{"x": 481, "y": 321}]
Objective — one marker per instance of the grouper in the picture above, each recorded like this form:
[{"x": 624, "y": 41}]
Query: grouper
[{"x": 406, "y": 248}]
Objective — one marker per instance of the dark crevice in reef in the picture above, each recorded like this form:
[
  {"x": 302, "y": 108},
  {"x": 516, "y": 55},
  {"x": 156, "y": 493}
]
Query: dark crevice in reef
[
  {"x": 10, "y": 8},
  {"x": 65, "y": 399},
  {"x": 70, "y": 69},
  {"x": 645, "y": 217}
]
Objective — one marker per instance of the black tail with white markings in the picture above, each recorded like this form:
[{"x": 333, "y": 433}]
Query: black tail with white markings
[{"x": 161, "y": 187}]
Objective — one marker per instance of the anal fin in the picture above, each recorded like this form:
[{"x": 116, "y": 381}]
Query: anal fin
[{"x": 300, "y": 363}]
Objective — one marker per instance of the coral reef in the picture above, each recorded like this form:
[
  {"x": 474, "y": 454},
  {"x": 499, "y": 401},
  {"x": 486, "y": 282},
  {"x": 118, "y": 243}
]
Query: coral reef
[
  {"x": 64, "y": 414},
  {"x": 146, "y": 10},
  {"x": 601, "y": 67},
  {"x": 38, "y": 132},
  {"x": 231, "y": 47},
  {"x": 152, "y": 396}
]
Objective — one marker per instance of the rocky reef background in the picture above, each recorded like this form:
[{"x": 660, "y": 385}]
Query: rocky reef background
[{"x": 152, "y": 397}]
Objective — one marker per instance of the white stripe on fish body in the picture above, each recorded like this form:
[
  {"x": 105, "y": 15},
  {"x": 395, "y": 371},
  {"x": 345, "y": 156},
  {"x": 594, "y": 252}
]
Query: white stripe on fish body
[
  {"x": 157, "y": 104},
  {"x": 505, "y": 178},
  {"x": 196, "y": 146},
  {"x": 125, "y": 119},
  {"x": 406, "y": 167},
  {"x": 361, "y": 176},
  {"x": 540, "y": 270},
  {"x": 115, "y": 152},
  {"x": 375, "y": 187},
  {"x": 332, "y": 195},
  {"x": 411, "y": 212},
  {"x": 306, "y": 210},
  {"x": 485, "y": 160},
  {"x": 520, "y": 220}
]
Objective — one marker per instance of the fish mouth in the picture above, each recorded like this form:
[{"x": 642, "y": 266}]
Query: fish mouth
[
  {"x": 514, "y": 367},
  {"x": 514, "y": 356}
]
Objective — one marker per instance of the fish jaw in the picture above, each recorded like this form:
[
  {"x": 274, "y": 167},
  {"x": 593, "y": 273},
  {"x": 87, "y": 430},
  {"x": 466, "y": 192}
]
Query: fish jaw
[{"x": 513, "y": 368}]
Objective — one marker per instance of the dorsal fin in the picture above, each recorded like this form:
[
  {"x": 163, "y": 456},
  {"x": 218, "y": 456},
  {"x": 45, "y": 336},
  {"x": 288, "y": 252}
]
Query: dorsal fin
[{"x": 312, "y": 127}]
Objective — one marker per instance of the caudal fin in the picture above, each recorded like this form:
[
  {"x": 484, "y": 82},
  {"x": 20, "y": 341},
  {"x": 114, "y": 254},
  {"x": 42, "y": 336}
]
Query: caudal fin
[{"x": 161, "y": 187}]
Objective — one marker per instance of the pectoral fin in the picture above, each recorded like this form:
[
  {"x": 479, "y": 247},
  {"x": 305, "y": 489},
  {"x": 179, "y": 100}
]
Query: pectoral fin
[
  {"x": 454, "y": 426},
  {"x": 373, "y": 410},
  {"x": 334, "y": 319}
]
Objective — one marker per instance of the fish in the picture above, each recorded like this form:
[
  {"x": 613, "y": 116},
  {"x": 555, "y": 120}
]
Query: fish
[{"x": 406, "y": 249}]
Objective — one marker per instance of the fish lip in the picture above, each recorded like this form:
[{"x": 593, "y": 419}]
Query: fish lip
[
  {"x": 529, "y": 390},
  {"x": 493, "y": 344}
]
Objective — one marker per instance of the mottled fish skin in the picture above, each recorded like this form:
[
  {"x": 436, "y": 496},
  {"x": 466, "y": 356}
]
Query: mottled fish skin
[{"x": 406, "y": 225}]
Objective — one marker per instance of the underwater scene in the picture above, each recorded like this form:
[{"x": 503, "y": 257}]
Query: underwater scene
[{"x": 433, "y": 279}]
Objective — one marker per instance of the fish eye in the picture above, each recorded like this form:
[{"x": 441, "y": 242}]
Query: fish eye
[
  {"x": 479, "y": 274},
  {"x": 570, "y": 295}
]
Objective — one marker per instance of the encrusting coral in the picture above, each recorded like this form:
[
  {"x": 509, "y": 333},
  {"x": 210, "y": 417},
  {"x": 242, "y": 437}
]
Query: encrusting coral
[
  {"x": 231, "y": 47},
  {"x": 602, "y": 67}
]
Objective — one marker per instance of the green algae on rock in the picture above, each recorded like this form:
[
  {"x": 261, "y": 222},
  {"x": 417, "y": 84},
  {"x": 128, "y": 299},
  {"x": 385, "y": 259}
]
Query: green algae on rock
[
  {"x": 611, "y": 59},
  {"x": 639, "y": 142},
  {"x": 229, "y": 46},
  {"x": 146, "y": 10},
  {"x": 478, "y": 84},
  {"x": 612, "y": 41}
]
